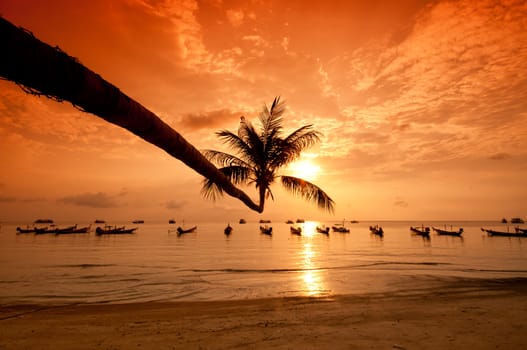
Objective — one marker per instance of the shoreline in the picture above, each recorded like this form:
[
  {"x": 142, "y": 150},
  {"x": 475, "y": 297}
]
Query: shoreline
[{"x": 482, "y": 314}]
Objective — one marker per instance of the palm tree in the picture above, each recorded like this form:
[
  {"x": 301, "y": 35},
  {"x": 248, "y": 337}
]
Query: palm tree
[
  {"x": 261, "y": 153},
  {"x": 44, "y": 70}
]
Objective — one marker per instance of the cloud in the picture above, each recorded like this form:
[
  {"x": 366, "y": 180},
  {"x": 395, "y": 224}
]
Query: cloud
[
  {"x": 175, "y": 204},
  {"x": 235, "y": 17},
  {"x": 209, "y": 120},
  {"x": 92, "y": 200},
  {"x": 7, "y": 199},
  {"x": 40, "y": 125},
  {"x": 500, "y": 156},
  {"x": 256, "y": 40},
  {"x": 185, "y": 28},
  {"x": 449, "y": 88},
  {"x": 400, "y": 203},
  {"x": 33, "y": 200}
]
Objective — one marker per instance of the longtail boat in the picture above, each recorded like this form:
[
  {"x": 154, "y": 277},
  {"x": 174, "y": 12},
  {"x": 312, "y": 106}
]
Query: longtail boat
[
  {"x": 73, "y": 229},
  {"x": 25, "y": 230},
  {"x": 296, "y": 230},
  {"x": 377, "y": 230},
  {"x": 266, "y": 230},
  {"x": 114, "y": 230},
  {"x": 457, "y": 233},
  {"x": 323, "y": 230},
  {"x": 181, "y": 230},
  {"x": 423, "y": 231},
  {"x": 504, "y": 234}
]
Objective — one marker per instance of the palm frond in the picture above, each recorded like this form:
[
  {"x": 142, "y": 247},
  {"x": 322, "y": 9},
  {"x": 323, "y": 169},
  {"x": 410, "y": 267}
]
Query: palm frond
[
  {"x": 303, "y": 137},
  {"x": 231, "y": 139},
  {"x": 210, "y": 190},
  {"x": 255, "y": 146},
  {"x": 271, "y": 119},
  {"x": 237, "y": 175},
  {"x": 235, "y": 142},
  {"x": 309, "y": 192},
  {"x": 223, "y": 159},
  {"x": 269, "y": 194},
  {"x": 293, "y": 145},
  {"x": 244, "y": 129}
]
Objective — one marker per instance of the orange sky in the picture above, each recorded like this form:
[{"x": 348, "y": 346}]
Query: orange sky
[{"x": 422, "y": 105}]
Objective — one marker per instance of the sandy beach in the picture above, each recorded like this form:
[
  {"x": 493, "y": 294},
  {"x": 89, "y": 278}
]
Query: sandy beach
[{"x": 461, "y": 314}]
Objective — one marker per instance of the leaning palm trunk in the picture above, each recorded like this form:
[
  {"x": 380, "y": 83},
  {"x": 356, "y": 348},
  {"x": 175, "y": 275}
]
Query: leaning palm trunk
[{"x": 44, "y": 70}]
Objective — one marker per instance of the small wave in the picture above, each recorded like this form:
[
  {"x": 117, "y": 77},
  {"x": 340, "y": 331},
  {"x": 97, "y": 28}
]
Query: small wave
[
  {"x": 8, "y": 282},
  {"x": 494, "y": 270},
  {"x": 105, "y": 279},
  {"x": 255, "y": 270},
  {"x": 53, "y": 297},
  {"x": 410, "y": 263},
  {"x": 82, "y": 266},
  {"x": 346, "y": 267}
]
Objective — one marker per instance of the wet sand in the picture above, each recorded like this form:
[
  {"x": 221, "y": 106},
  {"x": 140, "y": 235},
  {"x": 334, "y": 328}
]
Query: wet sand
[{"x": 460, "y": 314}]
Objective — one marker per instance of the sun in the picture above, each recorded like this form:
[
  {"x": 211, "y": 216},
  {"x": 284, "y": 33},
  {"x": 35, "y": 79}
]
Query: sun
[{"x": 304, "y": 169}]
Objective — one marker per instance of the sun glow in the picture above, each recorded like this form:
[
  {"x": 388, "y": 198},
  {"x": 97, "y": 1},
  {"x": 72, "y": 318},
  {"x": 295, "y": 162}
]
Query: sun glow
[
  {"x": 305, "y": 169},
  {"x": 309, "y": 228}
]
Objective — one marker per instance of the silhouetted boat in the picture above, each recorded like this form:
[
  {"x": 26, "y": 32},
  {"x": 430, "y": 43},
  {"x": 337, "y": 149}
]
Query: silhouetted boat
[
  {"x": 73, "y": 229},
  {"x": 65, "y": 229},
  {"x": 138, "y": 222},
  {"x": 300, "y": 221},
  {"x": 504, "y": 234},
  {"x": 228, "y": 230},
  {"x": 242, "y": 221},
  {"x": 262, "y": 221},
  {"x": 181, "y": 230},
  {"x": 99, "y": 221},
  {"x": 377, "y": 230},
  {"x": 84, "y": 229},
  {"x": 340, "y": 228},
  {"x": 43, "y": 230},
  {"x": 171, "y": 221},
  {"x": 289, "y": 222},
  {"x": 296, "y": 230},
  {"x": 114, "y": 230},
  {"x": 520, "y": 230},
  {"x": 25, "y": 230},
  {"x": 323, "y": 230},
  {"x": 423, "y": 231},
  {"x": 517, "y": 221},
  {"x": 266, "y": 230},
  {"x": 43, "y": 221},
  {"x": 447, "y": 232}
]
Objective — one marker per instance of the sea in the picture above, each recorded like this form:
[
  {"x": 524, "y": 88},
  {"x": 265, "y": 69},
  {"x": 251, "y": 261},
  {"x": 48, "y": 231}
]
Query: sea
[{"x": 157, "y": 264}]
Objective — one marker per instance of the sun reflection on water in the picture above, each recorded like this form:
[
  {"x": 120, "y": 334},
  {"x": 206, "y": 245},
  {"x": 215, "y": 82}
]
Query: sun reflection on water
[
  {"x": 312, "y": 279},
  {"x": 309, "y": 228}
]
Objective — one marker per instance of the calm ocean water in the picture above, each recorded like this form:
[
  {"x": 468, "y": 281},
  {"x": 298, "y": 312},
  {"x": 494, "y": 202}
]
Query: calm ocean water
[{"x": 157, "y": 265}]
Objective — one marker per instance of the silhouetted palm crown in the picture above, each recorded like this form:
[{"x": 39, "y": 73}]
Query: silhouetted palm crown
[{"x": 260, "y": 154}]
